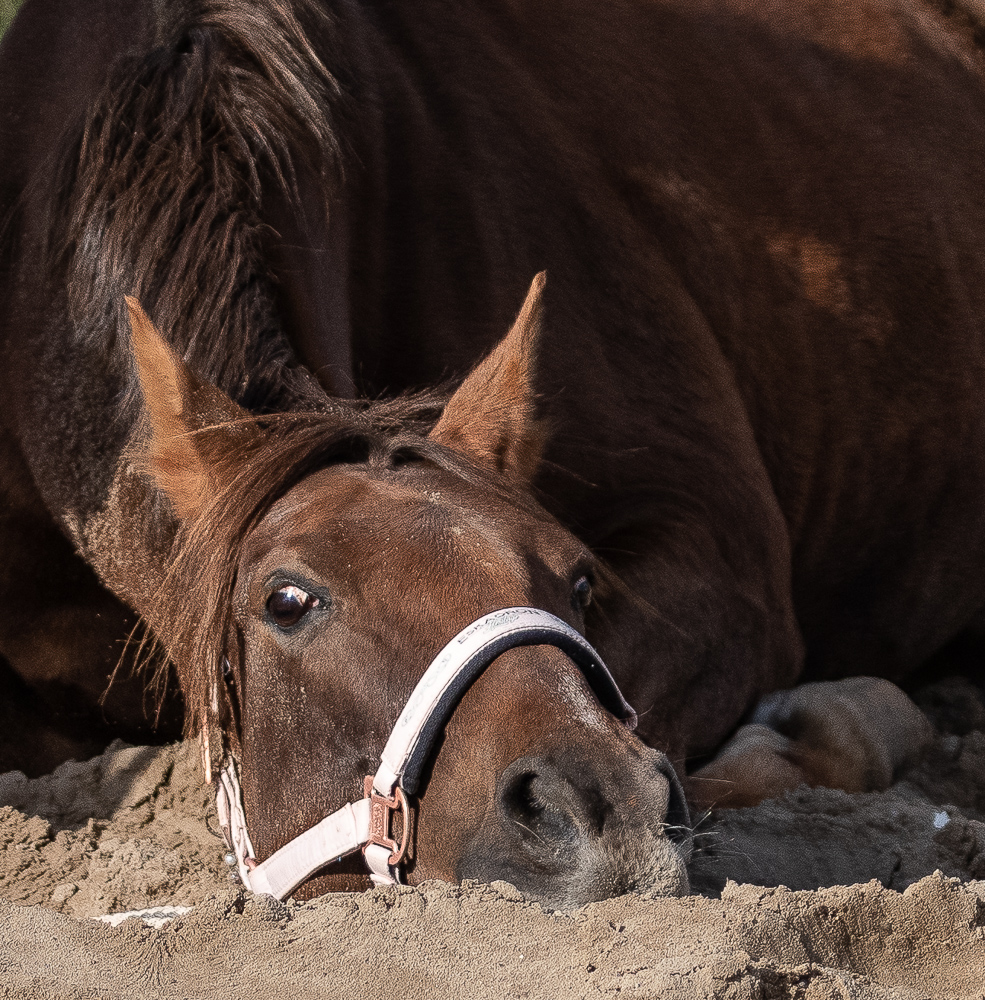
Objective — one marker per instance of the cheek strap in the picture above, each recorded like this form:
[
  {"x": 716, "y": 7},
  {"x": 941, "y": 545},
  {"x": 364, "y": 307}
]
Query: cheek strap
[{"x": 367, "y": 823}]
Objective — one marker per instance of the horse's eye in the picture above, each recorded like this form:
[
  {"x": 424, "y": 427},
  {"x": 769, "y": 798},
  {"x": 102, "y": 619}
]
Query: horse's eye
[
  {"x": 288, "y": 605},
  {"x": 582, "y": 592}
]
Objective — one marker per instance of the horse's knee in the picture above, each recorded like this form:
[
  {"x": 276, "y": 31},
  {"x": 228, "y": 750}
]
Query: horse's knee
[{"x": 853, "y": 734}]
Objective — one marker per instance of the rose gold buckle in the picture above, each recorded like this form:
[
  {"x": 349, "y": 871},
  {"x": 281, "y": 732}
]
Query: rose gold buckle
[{"x": 382, "y": 811}]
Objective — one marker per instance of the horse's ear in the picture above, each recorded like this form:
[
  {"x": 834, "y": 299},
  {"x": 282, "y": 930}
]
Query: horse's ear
[
  {"x": 490, "y": 418},
  {"x": 177, "y": 405}
]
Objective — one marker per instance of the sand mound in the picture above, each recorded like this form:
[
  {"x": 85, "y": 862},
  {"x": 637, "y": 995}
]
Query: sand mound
[
  {"x": 479, "y": 941},
  {"x": 881, "y": 900}
]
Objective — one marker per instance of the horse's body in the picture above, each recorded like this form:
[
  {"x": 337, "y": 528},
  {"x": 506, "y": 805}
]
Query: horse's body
[{"x": 762, "y": 356}]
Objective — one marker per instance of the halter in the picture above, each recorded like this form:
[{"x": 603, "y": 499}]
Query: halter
[{"x": 367, "y": 823}]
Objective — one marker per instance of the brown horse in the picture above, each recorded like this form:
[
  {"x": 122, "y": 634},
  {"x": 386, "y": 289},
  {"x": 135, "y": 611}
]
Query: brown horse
[{"x": 743, "y": 416}]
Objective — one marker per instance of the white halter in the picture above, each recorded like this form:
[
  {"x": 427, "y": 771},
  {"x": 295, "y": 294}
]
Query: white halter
[{"x": 367, "y": 823}]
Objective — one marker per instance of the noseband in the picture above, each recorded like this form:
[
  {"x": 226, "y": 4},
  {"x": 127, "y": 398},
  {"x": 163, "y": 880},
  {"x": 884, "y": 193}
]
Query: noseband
[{"x": 367, "y": 823}]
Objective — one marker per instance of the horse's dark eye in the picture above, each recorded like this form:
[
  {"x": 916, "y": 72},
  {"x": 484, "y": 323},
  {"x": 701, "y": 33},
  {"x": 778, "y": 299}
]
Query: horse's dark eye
[
  {"x": 582, "y": 592},
  {"x": 288, "y": 605}
]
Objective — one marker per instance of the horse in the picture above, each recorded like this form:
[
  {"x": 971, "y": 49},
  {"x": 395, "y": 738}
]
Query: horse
[{"x": 268, "y": 397}]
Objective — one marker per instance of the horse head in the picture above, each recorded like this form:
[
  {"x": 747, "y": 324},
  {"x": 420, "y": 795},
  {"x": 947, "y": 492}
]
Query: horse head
[{"x": 323, "y": 559}]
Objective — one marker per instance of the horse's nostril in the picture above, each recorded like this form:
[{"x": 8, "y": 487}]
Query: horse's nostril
[
  {"x": 533, "y": 806},
  {"x": 520, "y": 799},
  {"x": 572, "y": 829},
  {"x": 542, "y": 805}
]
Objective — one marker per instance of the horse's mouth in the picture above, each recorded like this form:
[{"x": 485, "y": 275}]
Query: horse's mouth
[{"x": 654, "y": 865}]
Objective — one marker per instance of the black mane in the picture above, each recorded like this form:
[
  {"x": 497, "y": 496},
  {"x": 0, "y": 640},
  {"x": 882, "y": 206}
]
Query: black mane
[{"x": 168, "y": 170}]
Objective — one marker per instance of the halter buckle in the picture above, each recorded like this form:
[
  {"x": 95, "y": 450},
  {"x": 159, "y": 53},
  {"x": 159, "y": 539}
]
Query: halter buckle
[{"x": 382, "y": 811}]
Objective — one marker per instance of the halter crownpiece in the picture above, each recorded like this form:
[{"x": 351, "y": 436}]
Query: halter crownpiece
[{"x": 367, "y": 823}]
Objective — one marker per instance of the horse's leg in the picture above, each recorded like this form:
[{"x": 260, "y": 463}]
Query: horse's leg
[
  {"x": 33, "y": 737},
  {"x": 853, "y": 734},
  {"x": 62, "y": 637}
]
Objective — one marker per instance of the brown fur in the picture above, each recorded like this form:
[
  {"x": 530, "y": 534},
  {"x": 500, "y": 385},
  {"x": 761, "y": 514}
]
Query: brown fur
[
  {"x": 173, "y": 165},
  {"x": 252, "y": 463},
  {"x": 760, "y": 349}
]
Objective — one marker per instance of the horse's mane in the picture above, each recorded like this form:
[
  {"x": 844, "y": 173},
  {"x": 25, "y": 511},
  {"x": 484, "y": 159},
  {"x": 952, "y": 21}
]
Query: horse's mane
[{"x": 158, "y": 193}]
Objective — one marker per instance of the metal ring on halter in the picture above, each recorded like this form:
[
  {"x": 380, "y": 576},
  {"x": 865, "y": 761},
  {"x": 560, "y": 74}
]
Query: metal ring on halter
[{"x": 382, "y": 811}]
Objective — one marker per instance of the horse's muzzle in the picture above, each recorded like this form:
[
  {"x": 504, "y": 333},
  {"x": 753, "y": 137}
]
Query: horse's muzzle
[{"x": 567, "y": 830}]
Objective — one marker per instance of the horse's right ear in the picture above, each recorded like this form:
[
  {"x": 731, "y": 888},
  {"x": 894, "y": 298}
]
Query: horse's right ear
[{"x": 178, "y": 405}]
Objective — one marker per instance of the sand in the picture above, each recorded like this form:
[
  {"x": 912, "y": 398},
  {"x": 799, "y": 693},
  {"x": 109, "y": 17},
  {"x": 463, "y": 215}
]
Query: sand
[{"x": 818, "y": 894}]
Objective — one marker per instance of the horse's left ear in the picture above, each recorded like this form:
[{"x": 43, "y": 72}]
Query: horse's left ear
[
  {"x": 184, "y": 463},
  {"x": 490, "y": 418}
]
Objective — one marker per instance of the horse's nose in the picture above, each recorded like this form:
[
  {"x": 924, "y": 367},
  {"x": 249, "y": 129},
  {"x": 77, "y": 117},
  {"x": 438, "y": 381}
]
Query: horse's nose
[
  {"x": 569, "y": 830},
  {"x": 541, "y": 804},
  {"x": 556, "y": 806}
]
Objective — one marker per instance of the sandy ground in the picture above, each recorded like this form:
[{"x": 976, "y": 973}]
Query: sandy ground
[{"x": 817, "y": 895}]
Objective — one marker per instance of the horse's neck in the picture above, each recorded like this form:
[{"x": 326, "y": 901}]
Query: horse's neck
[{"x": 312, "y": 261}]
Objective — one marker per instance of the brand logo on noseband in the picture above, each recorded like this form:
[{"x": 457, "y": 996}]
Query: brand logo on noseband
[{"x": 492, "y": 621}]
